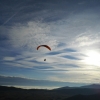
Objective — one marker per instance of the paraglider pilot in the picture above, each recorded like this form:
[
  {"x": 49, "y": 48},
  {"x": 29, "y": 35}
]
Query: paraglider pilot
[{"x": 44, "y": 59}]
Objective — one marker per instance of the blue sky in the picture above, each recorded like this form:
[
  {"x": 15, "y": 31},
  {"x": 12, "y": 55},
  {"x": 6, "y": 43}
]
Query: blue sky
[{"x": 69, "y": 27}]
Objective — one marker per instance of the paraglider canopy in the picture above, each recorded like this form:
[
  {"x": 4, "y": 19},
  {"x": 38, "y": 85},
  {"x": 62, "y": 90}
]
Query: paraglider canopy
[{"x": 44, "y": 46}]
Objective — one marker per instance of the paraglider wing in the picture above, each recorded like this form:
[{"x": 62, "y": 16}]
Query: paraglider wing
[{"x": 44, "y": 46}]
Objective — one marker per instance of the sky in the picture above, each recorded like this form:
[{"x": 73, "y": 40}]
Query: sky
[{"x": 71, "y": 28}]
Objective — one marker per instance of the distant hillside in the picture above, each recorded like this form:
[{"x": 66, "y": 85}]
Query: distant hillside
[
  {"x": 84, "y": 90},
  {"x": 84, "y": 97},
  {"x": 6, "y": 88},
  {"x": 92, "y": 86}
]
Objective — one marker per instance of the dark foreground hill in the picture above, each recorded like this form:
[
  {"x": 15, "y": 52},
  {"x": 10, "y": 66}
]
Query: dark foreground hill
[{"x": 12, "y": 93}]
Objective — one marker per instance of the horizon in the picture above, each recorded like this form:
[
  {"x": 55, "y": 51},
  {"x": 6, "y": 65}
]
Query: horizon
[{"x": 52, "y": 88}]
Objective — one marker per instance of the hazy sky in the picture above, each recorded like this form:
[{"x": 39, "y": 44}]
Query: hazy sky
[{"x": 70, "y": 27}]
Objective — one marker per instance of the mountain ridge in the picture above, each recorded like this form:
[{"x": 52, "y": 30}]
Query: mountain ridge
[{"x": 91, "y": 86}]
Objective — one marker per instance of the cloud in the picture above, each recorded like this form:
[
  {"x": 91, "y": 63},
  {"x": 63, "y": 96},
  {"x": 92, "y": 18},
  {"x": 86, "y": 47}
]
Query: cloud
[
  {"x": 71, "y": 57},
  {"x": 30, "y": 36},
  {"x": 54, "y": 53},
  {"x": 70, "y": 50},
  {"x": 82, "y": 76},
  {"x": 9, "y": 58},
  {"x": 19, "y": 81}
]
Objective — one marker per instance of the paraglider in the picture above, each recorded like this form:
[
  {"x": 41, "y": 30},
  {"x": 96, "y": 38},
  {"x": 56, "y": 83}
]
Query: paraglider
[{"x": 46, "y": 46}]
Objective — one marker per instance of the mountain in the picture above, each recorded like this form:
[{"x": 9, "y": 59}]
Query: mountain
[
  {"x": 66, "y": 87},
  {"x": 92, "y": 86},
  {"x": 83, "y": 90}
]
